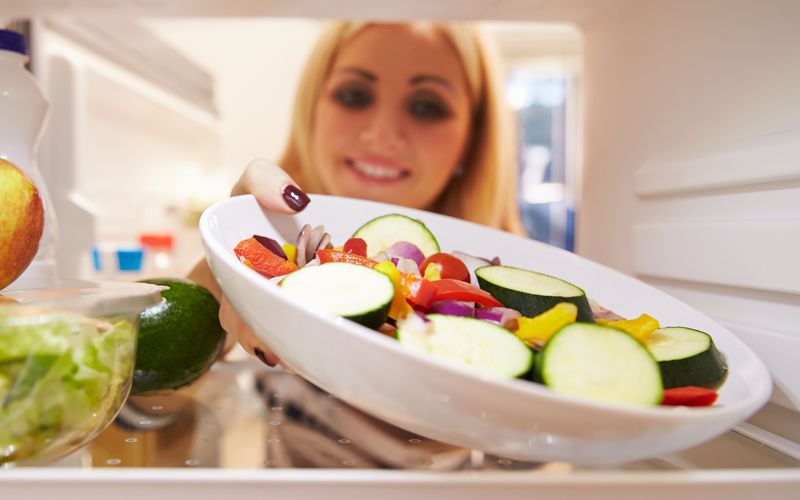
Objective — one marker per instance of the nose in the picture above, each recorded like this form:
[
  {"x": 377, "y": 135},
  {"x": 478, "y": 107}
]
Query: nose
[{"x": 384, "y": 132}]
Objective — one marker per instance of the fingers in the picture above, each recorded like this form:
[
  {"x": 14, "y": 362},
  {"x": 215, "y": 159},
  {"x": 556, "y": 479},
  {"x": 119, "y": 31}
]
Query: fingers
[
  {"x": 276, "y": 191},
  {"x": 272, "y": 187},
  {"x": 233, "y": 324}
]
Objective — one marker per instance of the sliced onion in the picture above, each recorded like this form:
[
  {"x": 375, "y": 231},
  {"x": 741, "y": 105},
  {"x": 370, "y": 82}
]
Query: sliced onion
[
  {"x": 472, "y": 264},
  {"x": 406, "y": 266},
  {"x": 302, "y": 245},
  {"x": 416, "y": 325},
  {"x": 422, "y": 316},
  {"x": 406, "y": 250},
  {"x": 379, "y": 257},
  {"x": 600, "y": 312},
  {"x": 271, "y": 245},
  {"x": 316, "y": 240},
  {"x": 503, "y": 316},
  {"x": 453, "y": 308}
]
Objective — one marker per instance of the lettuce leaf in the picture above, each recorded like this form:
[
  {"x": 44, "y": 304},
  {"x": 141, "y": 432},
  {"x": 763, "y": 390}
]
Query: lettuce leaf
[{"x": 62, "y": 379}]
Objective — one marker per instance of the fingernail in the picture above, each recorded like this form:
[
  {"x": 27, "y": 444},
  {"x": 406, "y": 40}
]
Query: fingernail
[
  {"x": 273, "y": 360},
  {"x": 295, "y": 198},
  {"x": 263, "y": 357}
]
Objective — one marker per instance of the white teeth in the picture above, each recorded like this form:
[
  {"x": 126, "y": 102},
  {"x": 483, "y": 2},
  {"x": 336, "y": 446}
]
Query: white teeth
[{"x": 377, "y": 171}]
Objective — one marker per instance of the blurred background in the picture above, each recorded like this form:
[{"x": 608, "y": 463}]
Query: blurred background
[{"x": 164, "y": 115}]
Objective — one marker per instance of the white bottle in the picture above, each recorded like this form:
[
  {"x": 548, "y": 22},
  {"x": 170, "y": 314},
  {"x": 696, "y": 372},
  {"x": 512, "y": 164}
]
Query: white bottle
[{"x": 23, "y": 110}]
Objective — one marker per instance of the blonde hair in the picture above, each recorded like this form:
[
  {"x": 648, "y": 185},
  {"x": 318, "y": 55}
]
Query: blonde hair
[{"x": 486, "y": 190}]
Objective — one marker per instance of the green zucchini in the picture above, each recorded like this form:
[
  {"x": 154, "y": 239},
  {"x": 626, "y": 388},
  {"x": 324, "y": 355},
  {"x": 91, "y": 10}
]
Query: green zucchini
[
  {"x": 382, "y": 232},
  {"x": 687, "y": 357},
  {"x": 599, "y": 362},
  {"x": 479, "y": 345},
  {"x": 348, "y": 290},
  {"x": 531, "y": 293}
]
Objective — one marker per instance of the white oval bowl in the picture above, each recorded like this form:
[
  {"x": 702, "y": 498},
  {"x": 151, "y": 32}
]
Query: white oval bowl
[{"x": 513, "y": 418}]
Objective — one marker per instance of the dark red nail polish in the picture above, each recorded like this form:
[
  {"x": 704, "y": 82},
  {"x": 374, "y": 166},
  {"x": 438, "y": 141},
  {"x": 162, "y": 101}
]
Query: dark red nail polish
[
  {"x": 263, "y": 357},
  {"x": 295, "y": 198}
]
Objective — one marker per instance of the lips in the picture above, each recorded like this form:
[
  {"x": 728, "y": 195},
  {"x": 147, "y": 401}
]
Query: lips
[{"x": 377, "y": 169}]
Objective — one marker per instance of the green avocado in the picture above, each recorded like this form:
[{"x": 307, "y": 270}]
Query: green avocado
[{"x": 179, "y": 339}]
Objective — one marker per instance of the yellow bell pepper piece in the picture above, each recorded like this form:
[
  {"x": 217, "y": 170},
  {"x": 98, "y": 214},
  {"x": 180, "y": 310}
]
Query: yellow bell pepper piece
[
  {"x": 541, "y": 327},
  {"x": 399, "y": 307},
  {"x": 433, "y": 273},
  {"x": 640, "y": 328},
  {"x": 290, "y": 251}
]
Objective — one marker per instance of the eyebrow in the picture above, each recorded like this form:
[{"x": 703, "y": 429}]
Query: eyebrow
[
  {"x": 359, "y": 72},
  {"x": 414, "y": 80},
  {"x": 417, "y": 79}
]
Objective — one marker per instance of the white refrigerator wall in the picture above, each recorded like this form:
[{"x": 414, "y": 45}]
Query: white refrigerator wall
[
  {"x": 692, "y": 172},
  {"x": 131, "y": 145},
  {"x": 121, "y": 151},
  {"x": 256, "y": 64}
]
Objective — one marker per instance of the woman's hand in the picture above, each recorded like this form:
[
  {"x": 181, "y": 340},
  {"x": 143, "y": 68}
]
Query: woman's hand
[
  {"x": 272, "y": 187},
  {"x": 276, "y": 191}
]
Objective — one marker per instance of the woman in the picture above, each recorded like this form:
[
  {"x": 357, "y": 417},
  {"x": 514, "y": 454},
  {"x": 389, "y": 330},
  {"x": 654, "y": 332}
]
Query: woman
[{"x": 410, "y": 114}]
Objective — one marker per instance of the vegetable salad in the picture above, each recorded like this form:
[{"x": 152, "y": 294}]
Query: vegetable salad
[{"x": 497, "y": 320}]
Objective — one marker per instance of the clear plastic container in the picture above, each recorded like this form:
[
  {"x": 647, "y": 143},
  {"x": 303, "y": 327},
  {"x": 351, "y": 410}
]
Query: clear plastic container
[
  {"x": 67, "y": 356},
  {"x": 23, "y": 111}
]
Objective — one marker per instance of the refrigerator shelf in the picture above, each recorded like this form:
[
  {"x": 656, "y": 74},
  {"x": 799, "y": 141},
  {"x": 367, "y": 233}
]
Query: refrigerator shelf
[{"x": 251, "y": 431}]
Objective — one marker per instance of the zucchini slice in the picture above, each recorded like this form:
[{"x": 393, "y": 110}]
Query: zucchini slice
[
  {"x": 531, "y": 293},
  {"x": 602, "y": 363},
  {"x": 687, "y": 357},
  {"x": 348, "y": 290},
  {"x": 472, "y": 343},
  {"x": 382, "y": 232}
]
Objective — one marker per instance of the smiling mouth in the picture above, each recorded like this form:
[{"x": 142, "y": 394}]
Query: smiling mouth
[{"x": 376, "y": 172}]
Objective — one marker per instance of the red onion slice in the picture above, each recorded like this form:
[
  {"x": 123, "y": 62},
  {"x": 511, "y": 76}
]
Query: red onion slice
[
  {"x": 302, "y": 245},
  {"x": 406, "y": 250},
  {"x": 406, "y": 266},
  {"x": 472, "y": 264},
  {"x": 503, "y": 316},
  {"x": 271, "y": 245},
  {"x": 453, "y": 308},
  {"x": 422, "y": 316},
  {"x": 600, "y": 312},
  {"x": 380, "y": 257}
]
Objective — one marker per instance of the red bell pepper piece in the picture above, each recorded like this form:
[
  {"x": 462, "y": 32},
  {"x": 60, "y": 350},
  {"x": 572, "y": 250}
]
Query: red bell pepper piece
[
  {"x": 254, "y": 255},
  {"x": 417, "y": 290},
  {"x": 331, "y": 255},
  {"x": 689, "y": 396},
  {"x": 450, "y": 289},
  {"x": 356, "y": 245}
]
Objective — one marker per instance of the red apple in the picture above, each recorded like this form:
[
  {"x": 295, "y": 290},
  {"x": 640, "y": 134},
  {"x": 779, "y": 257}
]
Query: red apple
[{"x": 21, "y": 222}]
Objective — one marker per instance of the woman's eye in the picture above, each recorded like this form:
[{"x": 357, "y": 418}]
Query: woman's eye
[
  {"x": 353, "y": 98},
  {"x": 428, "y": 110}
]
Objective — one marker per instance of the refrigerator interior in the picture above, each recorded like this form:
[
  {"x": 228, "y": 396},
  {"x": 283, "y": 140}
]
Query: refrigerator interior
[{"x": 688, "y": 180}]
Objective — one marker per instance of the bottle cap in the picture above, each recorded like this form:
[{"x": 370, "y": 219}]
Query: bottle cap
[
  {"x": 130, "y": 259},
  {"x": 13, "y": 41},
  {"x": 162, "y": 241}
]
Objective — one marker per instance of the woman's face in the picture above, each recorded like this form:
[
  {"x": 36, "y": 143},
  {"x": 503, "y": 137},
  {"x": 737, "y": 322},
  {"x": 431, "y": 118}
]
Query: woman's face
[{"x": 393, "y": 118}]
